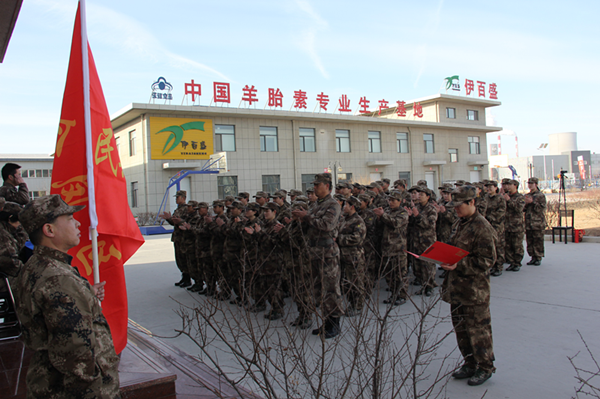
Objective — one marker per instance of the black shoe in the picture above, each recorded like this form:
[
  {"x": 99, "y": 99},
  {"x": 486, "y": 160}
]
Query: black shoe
[
  {"x": 464, "y": 372},
  {"x": 195, "y": 287},
  {"x": 318, "y": 331},
  {"x": 531, "y": 262},
  {"x": 537, "y": 262},
  {"x": 180, "y": 281},
  {"x": 186, "y": 283},
  {"x": 332, "y": 328},
  {"x": 420, "y": 292},
  {"x": 273, "y": 315},
  {"x": 257, "y": 308},
  {"x": 443, "y": 274},
  {"x": 203, "y": 291},
  {"x": 516, "y": 268},
  {"x": 479, "y": 377},
  {"x": 302, "y": 322},
  {"x": 399, "y": 301},
  {"x": 496, "y": 273},
  {"x": 428, "y": 291},
  {"x": 416, "y": 282}
]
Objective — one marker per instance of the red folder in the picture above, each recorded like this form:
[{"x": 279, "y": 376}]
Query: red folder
[{"x": 440, "y": 252}]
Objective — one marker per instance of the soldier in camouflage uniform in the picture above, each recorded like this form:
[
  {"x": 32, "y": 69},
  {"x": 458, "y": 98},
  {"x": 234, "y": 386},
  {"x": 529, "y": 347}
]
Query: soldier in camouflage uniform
[
  {"x": 322, "y": 220},
  {"x": 424, "y": 218},
  {"x": 12, "y": 240},
  {"x": 202, "y": 243},
  {"x": 467, "y": 288},
  {"x": 446, "y": 214},
  {"x": 14, "y": 188},
  {"x": 379, "y": 200},
  {"x": 372, "y": 242},
  {"x": 175, "y": 220},
  {"x": 495, "y": 214},
  {"x": 250, "y": 251},
  {"x": 217, "y": 268},
  {"x": 514, "y": 226},
  {"x": 233, "y": 275},
  {"x": 400, "y": 185},
  {"x": 394, "y": 221},
  {"x": 352, "y": 256},
  {"x": 481, "y": 199},
  {"x": 73, "y": 352},
  {"x": 188, "y": 246},
  {"x": 535, "y": 221},
  {"x": 312, "y": 198}
]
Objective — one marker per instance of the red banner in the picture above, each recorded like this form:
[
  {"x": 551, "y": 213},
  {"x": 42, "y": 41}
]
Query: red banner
[{"x": 118, "y": 234}]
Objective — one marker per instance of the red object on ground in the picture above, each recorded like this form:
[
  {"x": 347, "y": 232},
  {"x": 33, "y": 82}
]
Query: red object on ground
[{"x": 579, "y": 235}]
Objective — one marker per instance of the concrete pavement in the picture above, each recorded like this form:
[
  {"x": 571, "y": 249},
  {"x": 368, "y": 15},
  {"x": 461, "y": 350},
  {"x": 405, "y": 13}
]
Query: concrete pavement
[{"x": 536, "y": 316}]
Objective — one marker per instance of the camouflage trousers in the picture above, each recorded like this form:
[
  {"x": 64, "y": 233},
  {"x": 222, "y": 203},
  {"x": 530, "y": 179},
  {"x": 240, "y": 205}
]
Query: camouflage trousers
[
  {"x": 373, "y": 262},
  {"x": 180, "y": 258},
  {"x": 535, "y": 243},
  {"x": 354, "y": 275},
  {"x": 302, "y": 283},
  {"x": 232, "y": 274},
  {"x": 513, "y": 249},
  {"x": 213, "y": 272},
  {"x": 500, "y": 244},
  {"x": 193, "y": 267},
  {"x": 395, "y": 271},
  {"x": 267, "y": 287},
  {"x": 327, "y": 286},
  {"x": 473, "y": 328},
  {"x": 205, "y": 264},
  {"x": 425, "y": 271}
]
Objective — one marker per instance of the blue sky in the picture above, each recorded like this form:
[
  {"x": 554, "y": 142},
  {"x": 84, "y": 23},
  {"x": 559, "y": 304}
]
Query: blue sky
[{"x": 543, "y": 55}]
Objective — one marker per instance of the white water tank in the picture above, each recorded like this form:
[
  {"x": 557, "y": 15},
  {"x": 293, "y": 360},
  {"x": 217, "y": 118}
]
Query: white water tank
[{"x": 562, "y": 142}]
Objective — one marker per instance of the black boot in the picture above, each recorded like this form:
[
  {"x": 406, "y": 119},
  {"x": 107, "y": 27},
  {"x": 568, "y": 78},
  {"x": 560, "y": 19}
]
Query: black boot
[
  {"x": 186, "y": 282},
  {"x": 178, "y": 284},
  {"x": 332, "y": 327}
]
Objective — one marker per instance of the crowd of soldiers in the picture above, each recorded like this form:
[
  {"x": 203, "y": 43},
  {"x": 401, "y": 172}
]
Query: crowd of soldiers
[{"x": 322, "y": 246}]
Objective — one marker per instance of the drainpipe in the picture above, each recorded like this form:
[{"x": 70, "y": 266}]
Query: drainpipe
[{"x": 145, "y": 129}]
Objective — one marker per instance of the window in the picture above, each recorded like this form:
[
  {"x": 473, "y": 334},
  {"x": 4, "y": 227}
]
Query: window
[
  {"x": 270, "y": 183},
  {"x": 307, "y": 181},
  {"x": 227, "y": 185},
  {"x": 474, "y": 145},
  {"x": 453, "y": 154},
  {"x": 374, "y": 141},
  {"x": 451, "y": 113},
  {"x": 224, "y": 138},
  {"x": 132, "y": 143},
  {"x": 342, "y": 140},
  {"x": 405, "y": 176},
  {"x": 307, "y": 140},
  {"x": 402, "y": 142},
  {"x": 268, "y": 139},
  {"x": 36, "y": 194},
  {"x": 33, "y": 173},
  {"x": 344, "y": 177},
  {"x": 472, "y": 115},
  {"x": 45, "y": 173},
  {"x": 134, "y": 193},
  {"x": 429, "y": 147}
]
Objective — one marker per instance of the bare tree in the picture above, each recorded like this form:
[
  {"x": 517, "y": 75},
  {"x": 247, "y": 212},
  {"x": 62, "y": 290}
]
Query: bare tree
[{"x": 588, "y": 380}]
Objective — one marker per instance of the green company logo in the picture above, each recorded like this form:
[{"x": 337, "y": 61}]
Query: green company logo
[
  {"x": 451, "y": 84},
  {"x": 177, "y": 134}
]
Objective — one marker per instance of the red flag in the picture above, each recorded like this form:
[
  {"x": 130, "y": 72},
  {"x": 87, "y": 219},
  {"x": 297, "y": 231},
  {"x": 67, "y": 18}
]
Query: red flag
[{"x": 106, "y": 197}]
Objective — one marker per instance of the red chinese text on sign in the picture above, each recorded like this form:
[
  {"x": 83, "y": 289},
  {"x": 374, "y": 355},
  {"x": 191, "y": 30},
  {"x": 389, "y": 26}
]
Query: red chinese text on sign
[
  {"x": 418, "y": 110},
  {"x": 221, "y": 92},
  {"x": 323, "y": 100},
  {"x": 493, "y": 91},
  {"x": 249, "y": 95},
  {"x": 469, "y": 86},
  {"x": 275, "y": 98},
  {"x": 364, "y": 105},
  {"x": 382, "y": 105},
  {"x": 481, "y": 88},
  {"x": 400, "y": 109},
  {"x": 300, "y": 99},
  {"x": 194, "y": 89},
  {"x": 344, "y": 104}
]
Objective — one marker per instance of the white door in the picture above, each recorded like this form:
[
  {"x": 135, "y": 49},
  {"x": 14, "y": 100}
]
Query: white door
[
  {"x": 375, "y": 176},
  {"x": 184, "y": 184},
  {"x": 430, "y": 179},
  {"x": 474, "y": 176}
]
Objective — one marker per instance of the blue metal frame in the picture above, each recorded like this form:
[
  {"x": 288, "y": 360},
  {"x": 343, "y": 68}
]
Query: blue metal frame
[{"x": 182, "y": 174}]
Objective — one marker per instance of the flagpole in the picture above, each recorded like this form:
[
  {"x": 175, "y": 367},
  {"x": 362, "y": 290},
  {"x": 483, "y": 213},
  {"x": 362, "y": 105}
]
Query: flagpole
[{"x": 88, "y": 142}]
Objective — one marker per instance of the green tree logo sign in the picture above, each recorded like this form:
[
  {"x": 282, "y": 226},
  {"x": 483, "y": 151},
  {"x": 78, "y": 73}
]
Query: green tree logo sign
[{"x": 177, "y": 134}]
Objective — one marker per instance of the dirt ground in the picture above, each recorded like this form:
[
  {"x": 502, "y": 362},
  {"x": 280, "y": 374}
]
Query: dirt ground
[{"x": 587, "y": 210}]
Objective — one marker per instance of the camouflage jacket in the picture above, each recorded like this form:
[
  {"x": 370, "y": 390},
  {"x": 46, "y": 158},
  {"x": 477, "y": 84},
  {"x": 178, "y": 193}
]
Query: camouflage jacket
[
  {"x": 380, "y": 201},
  {"x": 218, "y": 237},
  {"x": 180, "y": 212},
  {"x": 188, "y": 238},
  {"x": 445, "y": 221},
  {"x": 232, "y": 248},
  {"x": 496, "y": 211},
  {"x": 469, "y": 283},
  {"x": 10, "y": 193},
  {"x": 352, "y": 235},
  {"x": 250, "y": 245},
  {"x": 481, "y": 202},
  {"x": 394, "y": 223},
  {"x": 513, "y": 222},
  {"x": 322, "y": 221},
  {"x": 63, "y": 324},
  {"x": 535, "y": 213},
  {"x": 203, "y": 236},
  {"x": 423, "y": 227},
  {"x": 269, "y": 249},
  {"x": 12, "y": 240},
  {"x": 374, "y": 230}
]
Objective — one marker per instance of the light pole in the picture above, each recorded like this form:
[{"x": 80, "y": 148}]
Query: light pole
[{"x": 542, "y": 148}]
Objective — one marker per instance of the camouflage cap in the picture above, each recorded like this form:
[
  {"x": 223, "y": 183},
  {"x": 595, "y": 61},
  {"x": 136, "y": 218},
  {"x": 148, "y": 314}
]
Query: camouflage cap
[
  {"x": 229, "y": 198},
  {"x": 345, "y": 185},
  {"x": 364, "y": 197},
  {"x": 322, "y": 178},
  {"x": 357, "y": 185},
  {"x": 371, "y": 194},
  {"x": 514, "y": 182},
  {"x": 478, "y": 185},
  {"x": 462, "y": 194},
  {"x": 395, "y": 194},
  {"x": 43, "y": 210},
  {"x": 491, "y": 183},
  {"x": 386, "y": 181},
  {"x": 10, "y": 209},
  {"x": 192, "y": 203},
  {"x": 295, "y": 193},
  {"x": 261, "y": 194},
  {"x": 236, "y": 204},
  {"x": 506, "y": 180},
  {"x": 299, "y": 205},
  {"x": 485, "y": 182},
  {"x": 533, "y": 180},
  {"x": 422, "y": 183},
  {"x": 355, "y": 202},
  {"x": 339, "y": 197},
  {"x": 374, "y": 185},
  {"x": 202, "y": 205},
  {"x": 272, "y": 206},
  {"x": 446, "y": 188},
  {"x": 181, "y": 193},
  {"x": 253, "y": 206},
  {"x": 417, "y": 188},
  {"x": 310, "y": 190},
  {"x": 243, "y": 194},
  {"x": 302, "y": 198},
  {"x": 278, "y": 194},
  {"x": 400, "y": 182},
  {"x": 218, "y": 202},
  {"x": 459, "y": 183}
]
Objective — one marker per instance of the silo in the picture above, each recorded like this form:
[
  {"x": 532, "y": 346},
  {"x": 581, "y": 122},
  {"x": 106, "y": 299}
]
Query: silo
[{"x": 562, "y": 142}]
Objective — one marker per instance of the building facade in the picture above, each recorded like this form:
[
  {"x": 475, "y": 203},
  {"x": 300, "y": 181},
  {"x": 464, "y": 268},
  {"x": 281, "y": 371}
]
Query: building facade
[
  {"x": 36, "y": 170},
  {"x": 442, "y": 139}
]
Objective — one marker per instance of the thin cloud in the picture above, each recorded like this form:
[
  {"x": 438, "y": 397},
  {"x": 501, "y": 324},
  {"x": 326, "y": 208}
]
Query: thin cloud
[{"x": 309, "y": 35}]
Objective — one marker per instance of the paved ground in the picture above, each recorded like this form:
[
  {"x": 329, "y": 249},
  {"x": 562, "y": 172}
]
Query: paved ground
[{"x": 536, "y": 316}]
